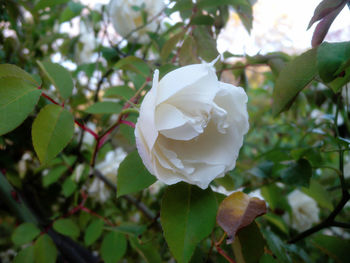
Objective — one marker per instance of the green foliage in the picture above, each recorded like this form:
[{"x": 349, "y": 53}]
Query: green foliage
[
  {"x": 26, "y": 255},
  {"x": 25, "y": 233},
  {"x": 187, "y": 215},
  {"x": 45, "y": 250},
  {"x": 104, "y": 107},
  {"x": 113, "y": 247},
  {"x": 66, "y": 227},
  {"x": 52, "y": 130},
  {"x": 133, "y": 170},
  {"x": 93, "y": 232}
]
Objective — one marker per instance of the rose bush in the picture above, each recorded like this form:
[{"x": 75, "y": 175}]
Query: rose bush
[
  {"x": 126, "y": 17},
  {"x": 191, "y": 126}
]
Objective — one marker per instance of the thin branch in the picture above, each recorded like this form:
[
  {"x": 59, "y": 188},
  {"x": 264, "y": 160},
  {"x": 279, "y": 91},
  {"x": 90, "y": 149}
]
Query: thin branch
[{"x": 341, "y": 224}]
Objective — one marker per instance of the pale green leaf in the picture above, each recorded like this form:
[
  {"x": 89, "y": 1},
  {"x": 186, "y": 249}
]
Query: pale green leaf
[
  {"x": 187, "y": 216},
  {"x": 17, "y": 100},
  {"x": 52, "y": 130},
  {"x": 45, "y": 250},
  {"x": 9, "y": 70},
  {"x": 104, "y": 107}
]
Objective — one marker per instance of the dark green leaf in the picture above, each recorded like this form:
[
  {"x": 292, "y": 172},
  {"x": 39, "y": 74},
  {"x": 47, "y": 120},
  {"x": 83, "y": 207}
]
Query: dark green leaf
[
  {"x": 293, "y": 78},
  {"x": 206, "y": 45},
  {"x": 335, "y": 247},
  {"x": 72, "y": 10},
  {"x": 277, "y": 246},
  {"x": 26, "y": 255},
  {"x": 275, "y": 197},
  {"x": 130, "y": 229},
  {"x": 267, "y": 258},
  {"x": 298, "y": 173},
  {"x": 133, "y": 170},
  {"x": 121, "y": 92},
  {"x": 54, "y": 174},
  {"x": 187, "y": 216},
  {"x": 317, "y": 192},
  {"x": 113, "y": 247},
  {"x": 146, "y": 250},
  {"x": 104, "y": 107},
  {"x": 93, "y": 232},
  {"x": 134, "y": 64},
  {"x": 202, "y": 20},
  {"x": 52, "y": 130},
  {"x": 17, "y": 100},
  {"x": 249, "y": 244},
  {"x": 68, "y": 187},
  {"x": 66, "y": 227},
  {"x": 59, "y": 76},
  {"x": 48, "y": 3},
  {"x": 25, "y": 233},
  {"x": 45, "y": 250}
]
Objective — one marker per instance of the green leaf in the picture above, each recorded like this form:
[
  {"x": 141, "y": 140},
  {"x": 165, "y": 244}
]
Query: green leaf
[
  {"x": 113, "y": 247},
  {"x": 54, "y": 174},
  {"x": 9, "y": 70},
  {"x": 130, "y": 229},
  {"x": 332, "y": 57},
  {"x": 93, "y": 232},
  {"x": 267, "y": 258},
  {"x": 104, "y": 107},
  {"x": 146, "y": 250},
  {"x": 120, "y": 92},
  {"x": 72, "y": 10},
  {"x": 206, "y": 44},
  {"x": 133, "y": 170},
  {"x": 24, "y": 234},
  {"x": 298, "y": 173},
  {"x": 169, "y": 46},
  {"x": 277, "y": 221},
  {"x": 276, "y": 245},
  {"x": 317, "y": 192},
  {"x": 249, "y": 244},
  {"x": 293, "y": 78},
  {"x": 48, "y": 3},
  {"x": 52, "y": 130},
  {"x": 134, "y": 64},
  {"x": 66, "y": 227},
  {"x": 45, "y": 250},
  {"x": 275, "y": 197},
  {"x": 335, "y": 247},
  {"x": 188, "y": 52},
  {"x": 187, "y": 216},
  {"x": 26, "y": 255},
  {"x": 59, "y": 76},
  {"x": 17, "y": 100},
  {"x": 202, "y": 20},
  {"x": 68, "y": 187}
]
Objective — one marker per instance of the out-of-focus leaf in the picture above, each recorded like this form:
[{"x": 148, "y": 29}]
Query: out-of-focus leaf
[
  {"x": 202, "y": 20},
  {"x": 326, "y": 22},
  {"x": 54, "y": 174},
  {"x": 325, "y": 8},
  {"x": 121, "y": 92},
  {"x": 134, "y": 64},
  {"x": 205, "y": 43},
  {"x": 17, "y": 100},
  {"x": 66, "y": 227},
  {"x": 25, "y": 233},
  {"x": 68, "y": 187},
  {"x": 248, "y": 246},
  {"x": 45, "y": 250},
  {"x": 275, "y": 197},
  {"x": 48, "y": 3},
  {"x": 147, "y": 251},
  {"x": 130, "y": 229},
  {"x": 93, "y": 232},
  {"x": 335, "y": 247},
  {"x": 317, "y": 192},
  {"x": 104, "y": 107},
  {"x": 277, "y": 221},
  {"x": 52, "y": 130},
  {"x": 133, "y": 170},
  {"x": 113, "y": 247},
  {"x": 237, "y": 211},
  {"x": 59, "y": 76},
  {"x": 277, "y": 246},
  {"x": 72, "y": 10},
  {"x": 9, "y": 70},
  {"x": 267, "y": 258},
  {"x": 188, "y": 52},
  {"x": 294, "y": 77},
  {"x": 298, "y": 173},
  {"x": 187, "y": 216},
  {"x": 169, "y": 46},
  {"x": 330, "y": 58},
  {"x": 26, "y": 255}
]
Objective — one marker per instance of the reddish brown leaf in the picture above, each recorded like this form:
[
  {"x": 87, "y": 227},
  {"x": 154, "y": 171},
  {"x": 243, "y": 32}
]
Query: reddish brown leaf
[{"x": 238, "y": 210}]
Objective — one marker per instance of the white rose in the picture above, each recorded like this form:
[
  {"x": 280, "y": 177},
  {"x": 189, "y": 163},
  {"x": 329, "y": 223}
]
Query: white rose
[
  {"x": 85, "y": 50},
  {"x": 125, "y": 18},
  {"x": 304, "y": 211},
  {"x": 108, "y": 168},
  {"x": 191, "y": 126}
]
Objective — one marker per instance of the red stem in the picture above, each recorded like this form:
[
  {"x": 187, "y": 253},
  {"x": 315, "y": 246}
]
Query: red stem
[{"x": 129, "y": 123}]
